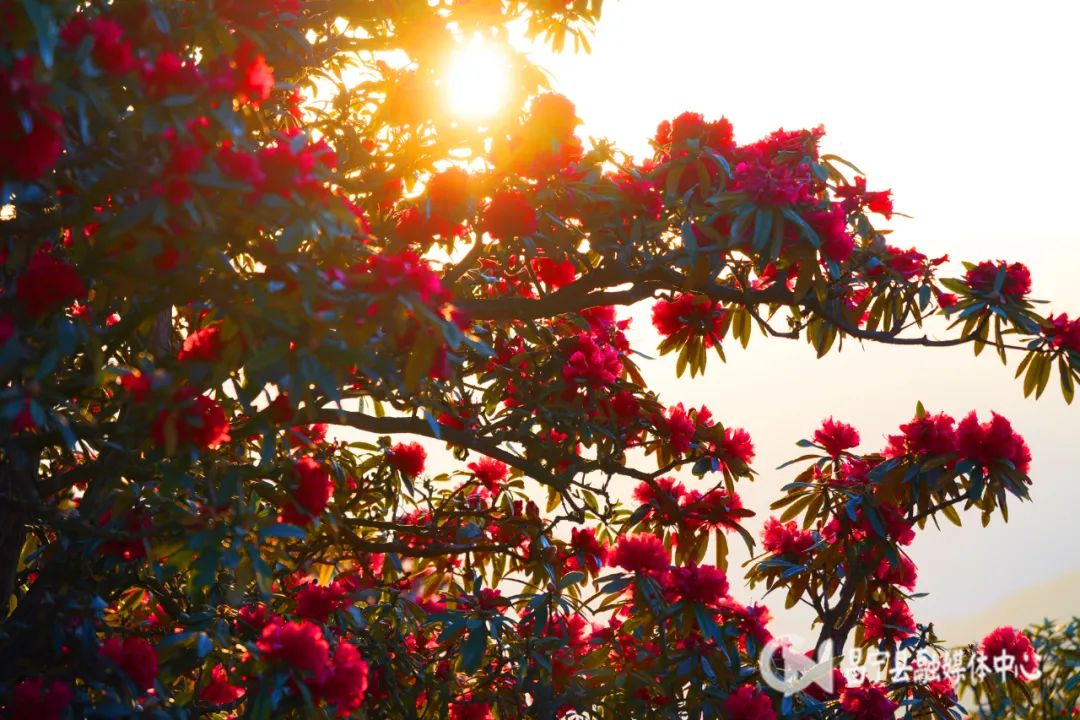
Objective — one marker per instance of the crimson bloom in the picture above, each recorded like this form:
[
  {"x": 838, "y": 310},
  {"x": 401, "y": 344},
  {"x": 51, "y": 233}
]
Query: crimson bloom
[
  {"x": 1064, "y": 333},
  {"x": 785, "y": 538},
  {"x": 111, "y": 52},
  {"x": 30, "y": 140},
  {"x": 509, "y": 215},
  {"x": 203, "y": 345},
  {"x": 300, "y": 645},
  {"x": 317, "y": 602},
  {"x": 837, "y": 243},
  {"x": 640, "y": 553},
  {"x": 928, "y": 435},
  {"x": 345, "y": 683},
  {"x": 407, "y": 458},
  {"x": 867, "y": 702},
  {"x": 554, "y": 274},
  {"x": 702, "y": 584},
  {"x": 591, "y": 364},
  {"x": 219, "y": 691},
  {"x": 490, "y": 473},
  {"x": 695, "y": 314},
  {"x": 993, "y": 441},
  {"x": 32, "y": 699},
  {"x": 836, "y": 437},
  {"x": 135, "y": 656},
  {"x": 1016, "y": 282},
  {"x": 890, "y": 623},
  {"x": 47, "y": 282},
  {"x": 1016, "y": 649},
  {"x": 749, "y": 703},
  {"x": 312, "y": 492},
  {"x": 195, "y": 420}
]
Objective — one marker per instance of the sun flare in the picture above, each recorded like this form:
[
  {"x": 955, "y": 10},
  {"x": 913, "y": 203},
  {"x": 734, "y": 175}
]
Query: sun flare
[{"x": 477, "y": 80}]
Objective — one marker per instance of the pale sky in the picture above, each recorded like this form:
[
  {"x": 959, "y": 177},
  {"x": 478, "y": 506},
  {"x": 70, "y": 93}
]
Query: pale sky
[{"x": 968, "y": 111}]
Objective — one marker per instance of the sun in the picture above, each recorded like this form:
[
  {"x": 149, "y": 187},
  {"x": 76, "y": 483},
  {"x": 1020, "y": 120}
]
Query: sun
[{"x": 477, "y": 80}]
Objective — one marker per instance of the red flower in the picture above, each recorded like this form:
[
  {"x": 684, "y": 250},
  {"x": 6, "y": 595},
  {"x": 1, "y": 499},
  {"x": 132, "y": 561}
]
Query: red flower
[
  {"x": 195, "y": 420},
  {"x": 991, "y": 442},
  {"x": 448, "y": 192},
  {"x": 696, "y": 313},
  {"x": 891, "y": 623},
  {"x": 553, "y": 114},
  {"x": 902, "y": 575},
  {"x": 679, "y": 427},
  {"x": 983, "y": 278},
  {"x": 403, "y": 273},
  {"x": 837, "y": 243},
  {"x": 687, "y": 126},
  {"x": 583, "y": 542},
  {"x": 135, "y": 656},
  {"x": 346, "y": 681},
  {"x": 509, "y": 215},
  {"x": 713, "y": 509},
  {"x": 46, "y": 282},
  {"x": 255, "y": 79},
  {"x": 867, "y": 702},
  {"x": 737, "y": 445},
  {"x": 300, "y": 645},
  {"x": 136, "y": 521},
  {"x": 703, "y": 584},
  {"x": 317, "y": 602},
  {"x": 7, "y": 328},
  {"x": 836, "y": 437},
  {"x": 302, "y": 436},
  {"x": 33, "y": 700},
  {"x": 490, "y": 473},
  {"x": 856, "y": 196},
  {"x": 203, "y": 345},
  {"x": 1008, "y": 642},
  {"x": 785, "y": 538},
  {"x": 219, "y": 691},
  {"x": 407, "y": 458},
  {"x": 640, "y": 553},
  {"x": 554, "y": 274},
  {"x": 28, "y": 154},
  {"x": 256, "y": 616},
  {"x": 906, "y": 263},
  {"x": 468, "y": 709},
  {"x": 1065, "y": 333},
  {"x": 591, "y": 365},
  {"x": 311, "y": 494},
  {"x": 168, "y": 74},
  {"x": 110, "y": 51},
  {"x": 749, "y": 703},
  {"x": 663, "y": 497},
  {"x": 929, "y": 435}
]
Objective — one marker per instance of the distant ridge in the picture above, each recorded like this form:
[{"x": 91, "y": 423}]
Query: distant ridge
[{"x": 1057, "y": 599}]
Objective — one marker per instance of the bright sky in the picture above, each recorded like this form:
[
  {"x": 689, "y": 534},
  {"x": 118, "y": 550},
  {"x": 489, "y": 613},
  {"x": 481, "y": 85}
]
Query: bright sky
[{"x": 969, "y": 112}]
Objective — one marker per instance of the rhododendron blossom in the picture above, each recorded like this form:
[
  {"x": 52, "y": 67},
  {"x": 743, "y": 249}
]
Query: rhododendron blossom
[
  {"x": 890, "y": 623},
  {"x": 640, "y": 553},
  {"x": 1010, "y": 643},
  {"x": 135, "y": 657},
  {"x": 408, "y": 458},
  {"x": 836, "y": 437},
  {"x": 992, "y": 441},
  {"x": 299, "y": 645},
  {"x": 1015, "y": 280},
  {"x": 321, "y": 396}
]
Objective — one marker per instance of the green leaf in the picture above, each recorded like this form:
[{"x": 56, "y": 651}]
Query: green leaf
[
  {"x": 472, "y": 651},
  {"x": 283, "y": 530},
  {"x": 1068, "y": 388}
]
